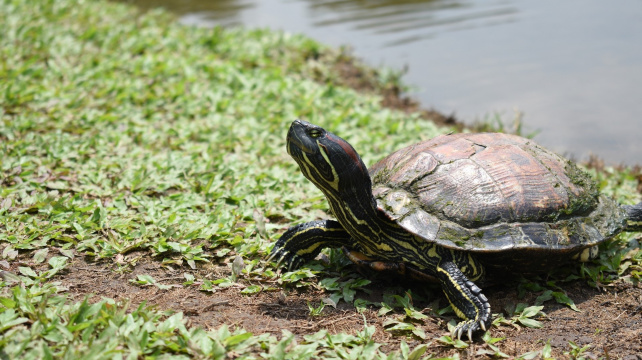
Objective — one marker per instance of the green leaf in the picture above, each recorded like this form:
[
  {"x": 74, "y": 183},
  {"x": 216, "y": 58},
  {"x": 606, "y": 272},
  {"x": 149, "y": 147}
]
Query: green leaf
[
  {"x": 547, "y": 351},
  {"x": 27, "y": 271},
  {"x": 9, "y": 253},
  {"x": 417, "y": 352},
  {"x": 419, "y": 333},
  {"x": 252, "y": 289},
  {"x": 330, "y": 283},
  {"x": 207, "y": 285},
  {"x": 530, "y": 355},
  {"x": 8, "y": 303},
  {"x": 531, "y": 311},
  {"x": 9, "y": 277},
  {"x": 40, "y": 255},
  {"x": 414, "y": 314},
  {"x": 237, "y": 339},
  {"x": 544, "y": 297},
  {"x": 67, "y": 252},
  {"x": 331, "y": 302},
  {"x": 456, "y": 343},
  {"x": 348, "y": 294},
  {"x": 58, "y": 262},
  {"x": 385, "y": 309},
  {"x": 529, "y": 322},
  {"x": 9, "y": 319},
  {"x": 145, "y": 279},
  {"x": 562, "y": 298},
  {"x": 223, "y": 283},
  {"x": 488, "y": 339}
]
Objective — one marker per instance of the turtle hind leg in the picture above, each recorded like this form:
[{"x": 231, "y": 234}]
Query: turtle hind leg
[
  {"x": 388, "y": 266},
  {"x": 362, "y": 260},
  {"x": 465, "y": 298},
  {"x": 304, "y": 242}
]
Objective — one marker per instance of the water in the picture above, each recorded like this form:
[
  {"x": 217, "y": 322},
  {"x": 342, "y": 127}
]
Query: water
[{"x": 574, "y": 68}]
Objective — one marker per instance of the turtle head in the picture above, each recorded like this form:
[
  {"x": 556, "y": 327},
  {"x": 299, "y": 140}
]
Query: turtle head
[{"x": 326, "y": 159}]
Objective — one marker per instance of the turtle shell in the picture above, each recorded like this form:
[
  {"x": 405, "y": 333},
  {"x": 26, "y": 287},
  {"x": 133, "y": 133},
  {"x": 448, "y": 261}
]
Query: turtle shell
[{"x": 494, "y": 194}]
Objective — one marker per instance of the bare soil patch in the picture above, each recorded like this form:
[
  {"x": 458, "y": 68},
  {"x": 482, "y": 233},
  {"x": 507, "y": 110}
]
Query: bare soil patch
[
  {"x": 610, "y": 319},
  {"x": 361, "y": 78}
]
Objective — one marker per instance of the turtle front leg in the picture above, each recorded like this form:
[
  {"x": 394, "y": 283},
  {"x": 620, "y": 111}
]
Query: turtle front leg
[
  {"x": 465, "y": 298},
  {"x": 303, "y": 242}
]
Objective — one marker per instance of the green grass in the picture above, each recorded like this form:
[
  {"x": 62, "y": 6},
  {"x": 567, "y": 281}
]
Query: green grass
[
  {"x": 121, "y": 132},
  {"x": 165, "y": 135}
]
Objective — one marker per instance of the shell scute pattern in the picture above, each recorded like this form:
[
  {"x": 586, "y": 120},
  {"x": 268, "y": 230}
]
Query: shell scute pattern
[
  {"x": 493, "y": 193},
  {"x": 527, "y": 187},
  {"x": 457, "y": 149},
  {"x": 462, "y": 192}
]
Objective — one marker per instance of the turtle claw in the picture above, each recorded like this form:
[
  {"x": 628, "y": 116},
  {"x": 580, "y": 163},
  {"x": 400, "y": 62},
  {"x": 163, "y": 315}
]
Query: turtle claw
[
  {"x": 472, "y": 326},
  {"x": 457, "y": 334},
  {"x": 291, "y": 264},
  {"x": 288, "y": 260},
  {"x": 280, "y": 261},
  {"x": 467, "y": 327},
  {"x": 276, "y": 255},
  {"x": 271, "y": 256}
]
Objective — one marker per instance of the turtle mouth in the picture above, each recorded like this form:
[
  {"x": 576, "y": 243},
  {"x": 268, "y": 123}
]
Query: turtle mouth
[{"x": 299, "y": 139}]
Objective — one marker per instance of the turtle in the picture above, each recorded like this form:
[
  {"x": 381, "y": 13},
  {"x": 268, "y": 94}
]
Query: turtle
[{"x": 450, "y": 209}]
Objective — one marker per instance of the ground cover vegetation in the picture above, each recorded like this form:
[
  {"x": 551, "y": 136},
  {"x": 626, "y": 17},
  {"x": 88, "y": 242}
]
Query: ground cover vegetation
[{"x": 144, "y": 178}]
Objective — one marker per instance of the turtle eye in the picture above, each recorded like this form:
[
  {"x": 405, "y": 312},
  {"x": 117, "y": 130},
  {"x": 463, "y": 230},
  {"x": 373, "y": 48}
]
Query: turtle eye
[{"x": 315, "y": 133}]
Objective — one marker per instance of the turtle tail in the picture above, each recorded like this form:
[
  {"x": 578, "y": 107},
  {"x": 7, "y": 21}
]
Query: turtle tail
[{"x": 634, "y": 217}]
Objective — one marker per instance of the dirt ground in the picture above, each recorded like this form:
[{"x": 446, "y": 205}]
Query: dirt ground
[
  {"x": 610, "y": 320},
  {"x": 364, "y": 79}
]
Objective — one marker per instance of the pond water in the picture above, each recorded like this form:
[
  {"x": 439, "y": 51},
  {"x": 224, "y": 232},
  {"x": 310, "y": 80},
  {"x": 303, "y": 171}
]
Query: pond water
[{"x": 573, "y": 68}]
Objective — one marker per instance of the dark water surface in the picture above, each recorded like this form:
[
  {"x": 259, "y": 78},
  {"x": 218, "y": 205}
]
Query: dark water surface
[{"x": 574, "y": 68}]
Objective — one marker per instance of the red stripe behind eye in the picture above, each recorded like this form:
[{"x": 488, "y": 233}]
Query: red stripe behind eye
[{"x": 347, "y": 148}]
